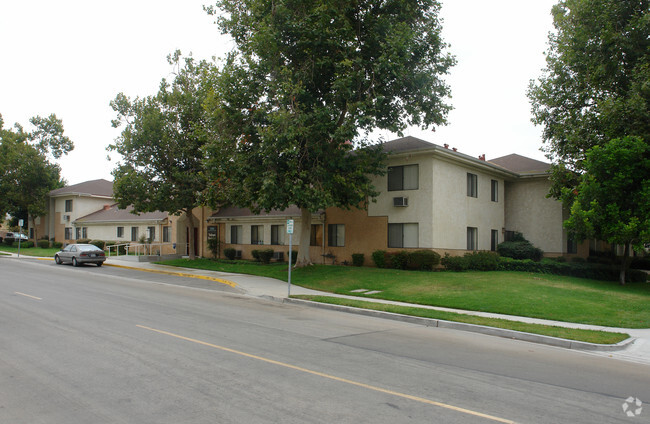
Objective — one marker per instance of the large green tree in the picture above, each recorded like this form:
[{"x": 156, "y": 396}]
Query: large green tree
[
  {"x": 162, "y": 167},
  {"x": 27, "y": 166},
  {"x": 307, "y": 81},
  {"x": 596, "y": 84},
  {"x": 612, "y": 199}
]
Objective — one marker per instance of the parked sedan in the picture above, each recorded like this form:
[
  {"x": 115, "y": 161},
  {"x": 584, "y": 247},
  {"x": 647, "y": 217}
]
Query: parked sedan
[{"x": 78, "y": 254}]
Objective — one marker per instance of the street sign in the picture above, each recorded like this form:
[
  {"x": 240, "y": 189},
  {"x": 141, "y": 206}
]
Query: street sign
[
  {"x": 20, "y": 223},
  {"x": 289, "y": 226}
]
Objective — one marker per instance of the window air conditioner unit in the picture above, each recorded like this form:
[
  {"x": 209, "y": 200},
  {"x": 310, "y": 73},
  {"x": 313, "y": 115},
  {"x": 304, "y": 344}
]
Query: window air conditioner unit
[
  {"x": 400, "y": 201},
  {"x": 237, "y": 254},
  {"x": 278, "y": 256}
]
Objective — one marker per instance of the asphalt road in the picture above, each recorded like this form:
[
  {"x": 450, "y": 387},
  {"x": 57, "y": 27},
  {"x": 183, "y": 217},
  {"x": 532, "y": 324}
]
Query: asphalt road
[{"x": 98, "y": 345}]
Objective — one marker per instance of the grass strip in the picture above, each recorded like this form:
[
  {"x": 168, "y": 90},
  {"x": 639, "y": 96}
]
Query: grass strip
[
  {"x": 31, "y": 251},
  {"x": 589, "y": 336}
]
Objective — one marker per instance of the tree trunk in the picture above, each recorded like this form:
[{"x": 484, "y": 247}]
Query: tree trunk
[
  {"x": 190, "y": 236},
  {"x": 305, "y": 239},
  {"x": 624, "y": 264},
  {"x": 34, "y": 227}
]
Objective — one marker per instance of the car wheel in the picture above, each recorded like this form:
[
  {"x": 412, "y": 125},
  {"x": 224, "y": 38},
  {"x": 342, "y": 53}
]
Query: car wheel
[
  {"x": 74, "y": 261},
  {"x": 99, "y": 263},
  {"x": 57, "y": 260}
]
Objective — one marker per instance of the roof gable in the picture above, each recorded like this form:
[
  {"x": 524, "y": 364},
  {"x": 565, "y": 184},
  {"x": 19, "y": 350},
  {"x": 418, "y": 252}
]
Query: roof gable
[{"x": 115, "y": 214}]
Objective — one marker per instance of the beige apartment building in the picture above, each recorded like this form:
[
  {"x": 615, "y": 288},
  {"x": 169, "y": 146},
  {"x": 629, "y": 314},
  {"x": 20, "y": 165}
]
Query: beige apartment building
[{"x": 431, "y": 197}]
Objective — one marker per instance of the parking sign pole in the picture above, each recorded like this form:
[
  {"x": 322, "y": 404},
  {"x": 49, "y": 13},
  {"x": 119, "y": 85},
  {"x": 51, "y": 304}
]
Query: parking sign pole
[
  {"x": 20, "y": 234},
  {"x": 290, "y": 232}
]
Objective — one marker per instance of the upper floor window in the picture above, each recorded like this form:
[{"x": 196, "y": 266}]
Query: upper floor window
[
  {"x": 68, "y": 205},
  {"x": 472, "y": 185},
  {"x": 495, "y": 191},
  {"x": 404, "y": 177}
]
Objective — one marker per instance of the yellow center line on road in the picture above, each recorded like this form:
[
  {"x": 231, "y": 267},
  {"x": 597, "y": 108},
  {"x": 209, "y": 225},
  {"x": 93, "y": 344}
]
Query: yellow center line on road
[
  {"x": 28, "y": 295},
  {"x": 332, "y": 377}
]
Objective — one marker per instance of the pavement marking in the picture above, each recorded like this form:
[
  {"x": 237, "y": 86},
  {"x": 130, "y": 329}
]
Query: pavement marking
[
  {"x": 28, "y": 295},
  {"x": 176, "y": 274},
  {"x": 332, "y": 377}
]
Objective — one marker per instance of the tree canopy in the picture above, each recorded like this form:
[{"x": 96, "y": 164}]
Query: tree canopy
[
  {"x": 27, "y": 168},
  {"x": 596, "y": 83},
  {"x": 612, "y": 200},
  {"x": 306, "y": 83},
  {"x": 162, "y": 166}
]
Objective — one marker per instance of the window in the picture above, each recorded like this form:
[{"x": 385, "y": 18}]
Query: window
[
  {"x": 151, "y": 233},
  {"x": 494, "y": 240},
  {"x": 316, "y": 235},
  {"x": 495, "y": 191},
  {"x": 403, "y": 177},
  {"x": 336, "y": 235},
  {"x": 236, "y": 234},
  {"x": 120, "y": 232},
  {"x": 77, "y": 233},
  {"x": 167, "y": 233},
  {"x": 403, "y": 235},
  {"x": 68, "y": 233},
  {"x": 31, "y": 233},
  {"x": 68, "y": 205},
  {"x": 84, "y": 232},
  {"x": 277, "y": 234},
  {"x": 472, "y": 238},
  {"x": 472, "y": 185},
  {"x": 571, "y": 245},
  {"x": 257, "y": 234},
  {"x": 134, "y": 233}
]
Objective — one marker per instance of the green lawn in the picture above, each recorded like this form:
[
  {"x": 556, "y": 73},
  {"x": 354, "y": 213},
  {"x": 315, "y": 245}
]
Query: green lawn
[
  {"x": 31, "y": 251},
  {"x": 513, "y": 293}
]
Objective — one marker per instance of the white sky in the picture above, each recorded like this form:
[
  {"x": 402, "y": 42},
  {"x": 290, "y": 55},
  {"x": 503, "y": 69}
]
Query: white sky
[{"x": 72, "y": 57}]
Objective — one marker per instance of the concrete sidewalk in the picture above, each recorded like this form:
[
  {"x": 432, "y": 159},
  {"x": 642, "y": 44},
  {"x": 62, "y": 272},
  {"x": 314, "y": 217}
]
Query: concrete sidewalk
[{"x": 636, "y": 349}]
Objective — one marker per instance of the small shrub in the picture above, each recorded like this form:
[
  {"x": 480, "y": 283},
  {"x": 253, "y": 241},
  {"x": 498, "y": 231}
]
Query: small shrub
[
  {"x": 8, "y": 242},
  {"x": 44, "y": 244},
  {"x": 399, "y": 260},
  {"x": 482, "y": 261},
  {"x": 24, "y": 244},
  {"x": 379, "y": 258},
  {"x": 229, "y": 253},
  {"x": 256, "y": 254},
  {"x": 454, "y": 263},
  {"x": 520, "y": 250},
  {"x": 578, "y": 260},
  {"x": 265, "y": 255},
  {"x": 424, "y": 260},
  {"x": 358, "y": 259},
  {"x": 84, "y": 241},
  {"x": 57, "y": 244},
  {"x": 214, "y": 244}
]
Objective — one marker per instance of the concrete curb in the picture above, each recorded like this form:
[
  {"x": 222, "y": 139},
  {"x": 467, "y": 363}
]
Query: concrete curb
[{"x": 492, "y": 331}]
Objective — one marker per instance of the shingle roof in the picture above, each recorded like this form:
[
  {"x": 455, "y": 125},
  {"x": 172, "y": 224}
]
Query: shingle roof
[
  {"x": 407, "y": 144},
  {"x": 114, "y": 214},
  {"x": 521, "y": 164},
  {"x": 100, "y": 188}
]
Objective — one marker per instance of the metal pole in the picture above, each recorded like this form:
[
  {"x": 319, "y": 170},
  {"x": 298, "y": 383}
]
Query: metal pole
[{"x": 290, "y": 255}]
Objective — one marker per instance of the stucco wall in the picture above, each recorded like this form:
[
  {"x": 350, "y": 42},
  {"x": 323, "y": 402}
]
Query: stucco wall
[{"x": 537, "y": 217}]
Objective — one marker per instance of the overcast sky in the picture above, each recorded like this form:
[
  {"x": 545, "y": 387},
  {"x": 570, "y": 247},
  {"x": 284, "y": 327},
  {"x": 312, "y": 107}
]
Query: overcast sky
[{"x": 71, "y": 58}]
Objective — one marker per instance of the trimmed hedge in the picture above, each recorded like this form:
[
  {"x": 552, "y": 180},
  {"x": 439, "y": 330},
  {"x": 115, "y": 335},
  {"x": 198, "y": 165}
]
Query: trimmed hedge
[
  {"x": 44, "y": 244},
  {"x": 265, "y": 255},
  {"x": 520, "y": 250},
  {"x": 571, "y": 269},
  {"x": 424, "y": 260},
  {"x": 99, "y": 243}
]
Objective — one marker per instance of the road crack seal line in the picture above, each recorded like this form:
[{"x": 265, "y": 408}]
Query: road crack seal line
[{"x": 332, "y": 377}]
